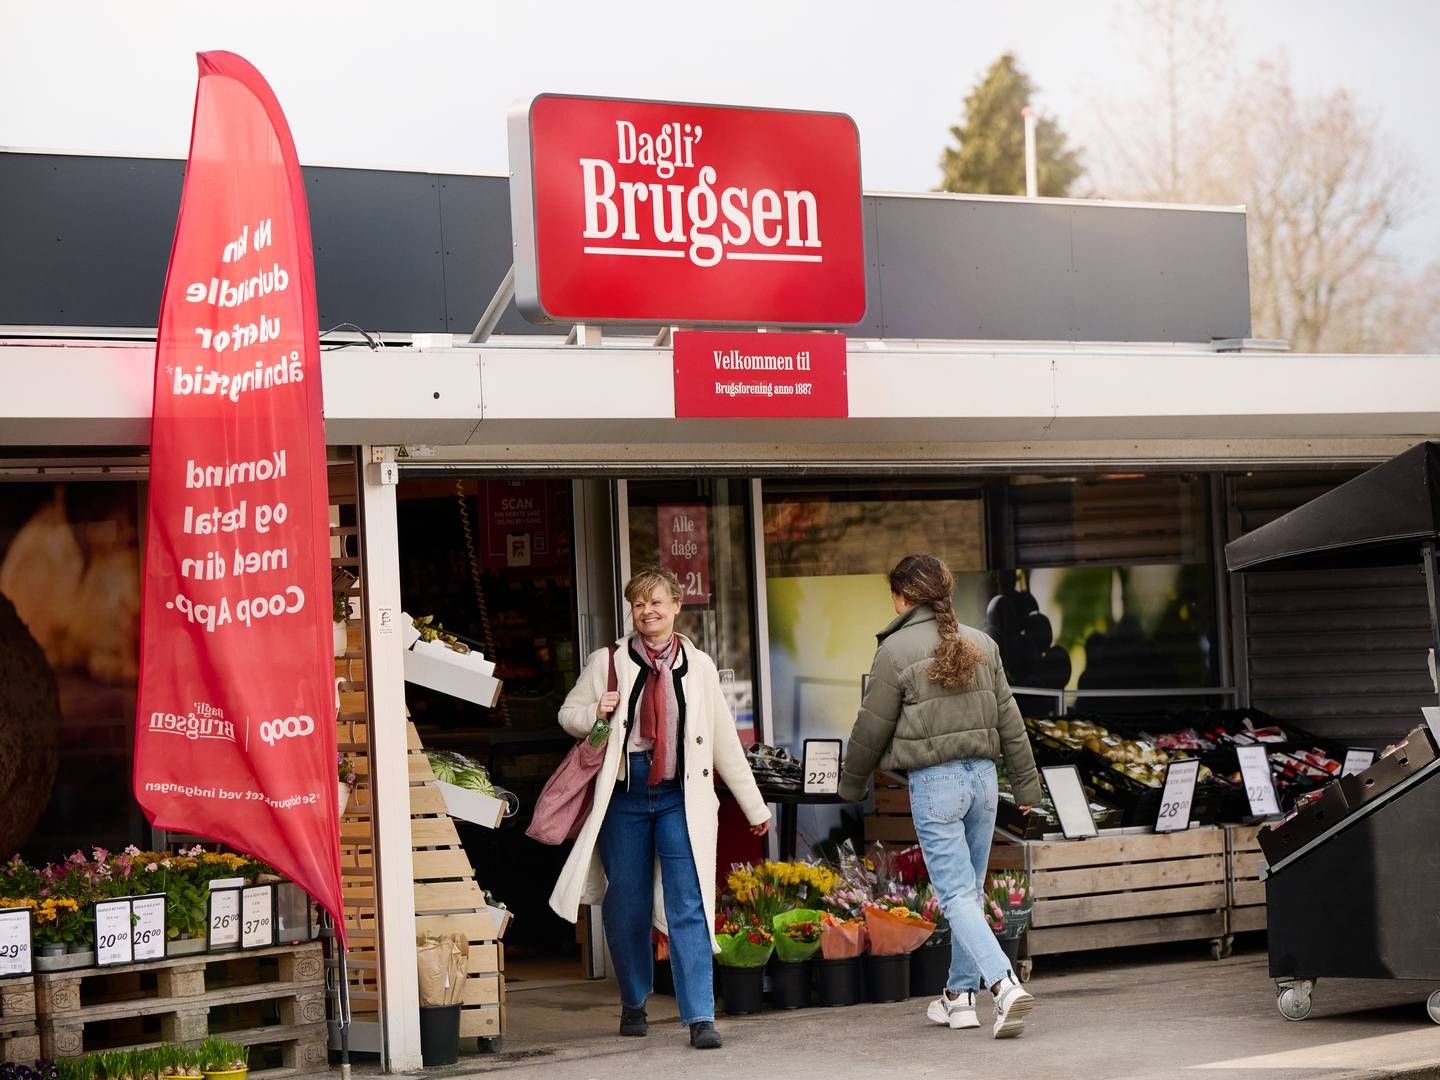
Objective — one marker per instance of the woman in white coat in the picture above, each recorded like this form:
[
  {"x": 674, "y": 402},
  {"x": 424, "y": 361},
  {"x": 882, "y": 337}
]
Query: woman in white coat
[{"x": 655, "y": 803}]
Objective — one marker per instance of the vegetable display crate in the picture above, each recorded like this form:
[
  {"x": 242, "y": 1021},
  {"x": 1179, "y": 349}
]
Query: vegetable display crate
[
  {"x": 1120, "y": 890},
  {"x": 19, "y": 1036},
  {"x": 272, "y": 1000},
  {"x": 1247, "y": 891}
]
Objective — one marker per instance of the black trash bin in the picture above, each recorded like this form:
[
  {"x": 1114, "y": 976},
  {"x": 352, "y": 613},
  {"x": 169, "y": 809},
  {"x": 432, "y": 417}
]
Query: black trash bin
[{"x": 439, "y": 1034}]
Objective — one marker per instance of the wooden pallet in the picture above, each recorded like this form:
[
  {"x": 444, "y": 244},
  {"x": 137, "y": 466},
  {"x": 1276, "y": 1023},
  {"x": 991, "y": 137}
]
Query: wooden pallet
[
  {"x": 1115, "y": 891},
  {"x": 1247, "y": 891},
  {"x": 19, "y": 1035},
  {"x": 267, "y": 998}
]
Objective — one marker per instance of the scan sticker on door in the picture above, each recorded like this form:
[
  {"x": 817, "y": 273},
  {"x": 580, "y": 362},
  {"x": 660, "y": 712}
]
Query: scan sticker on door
[
  {"x": 257, "y": 910},
  {"x": 15, "y": 940},
  {"x": 147, "y": 929},
  {"x": 112, "y": 933},
  {"x": 1178, "y": 797},
  {"x": 1259, "y": 784}
]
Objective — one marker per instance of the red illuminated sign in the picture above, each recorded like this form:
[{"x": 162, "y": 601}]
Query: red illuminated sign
[
  {"x": 642, "y": 211},
  {"x": 737, "y": 374}
]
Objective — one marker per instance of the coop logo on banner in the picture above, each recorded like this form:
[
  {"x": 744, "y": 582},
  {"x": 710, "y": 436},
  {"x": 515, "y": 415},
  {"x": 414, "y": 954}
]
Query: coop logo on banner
[
  {"x": 235, "y": 614},
  {"x": 644, "y": 211}
]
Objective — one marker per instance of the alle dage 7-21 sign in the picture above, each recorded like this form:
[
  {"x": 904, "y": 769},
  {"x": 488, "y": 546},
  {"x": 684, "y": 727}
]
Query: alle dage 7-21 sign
[{"x": 662, "y": 212}]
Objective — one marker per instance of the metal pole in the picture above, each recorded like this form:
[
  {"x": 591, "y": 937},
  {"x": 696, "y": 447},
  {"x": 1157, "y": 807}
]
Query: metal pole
[
  {"x": 1431, "y": 576},
  {"x": 488, "y": 321},
  {"x": 1032, "y": 185}
]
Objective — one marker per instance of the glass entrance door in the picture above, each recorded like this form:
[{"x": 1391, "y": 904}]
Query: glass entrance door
[{"x": 701, "y": 529}]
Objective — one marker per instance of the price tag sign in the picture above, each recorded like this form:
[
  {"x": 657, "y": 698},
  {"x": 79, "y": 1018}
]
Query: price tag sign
[
  {"x": 16, "y": 955},
  {"x": 147, "y": 930},
  {"x": 1259, "y": 783},
  {"x": 1178, "y": 797},
  {"x": 1357, "y": 760},
  {"x": 1072, "y": 805},
  {"x": 820, "y": 764},
  {"x": 224, "y": 918},
  {"x": 113, "y": 944},
  {"x": 257, "y": 917}
]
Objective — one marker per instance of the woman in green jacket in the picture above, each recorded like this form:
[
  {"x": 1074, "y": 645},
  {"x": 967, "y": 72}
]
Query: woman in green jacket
[{"x": 939, "y": 708}]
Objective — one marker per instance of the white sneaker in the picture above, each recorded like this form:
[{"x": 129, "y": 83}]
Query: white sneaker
[
  {"x": 1012, "y": 1004},
  {"x": 958, "y": 1012}
]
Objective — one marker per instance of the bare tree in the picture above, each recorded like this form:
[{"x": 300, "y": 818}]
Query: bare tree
[{"x": 1323, "y": 189}]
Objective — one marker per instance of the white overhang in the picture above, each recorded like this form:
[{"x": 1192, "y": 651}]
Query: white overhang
[{"x": 533, "y": 399}]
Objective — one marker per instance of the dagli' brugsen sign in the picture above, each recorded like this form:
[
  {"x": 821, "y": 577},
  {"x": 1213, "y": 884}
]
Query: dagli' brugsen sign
[{"x": 661, "y": 212}]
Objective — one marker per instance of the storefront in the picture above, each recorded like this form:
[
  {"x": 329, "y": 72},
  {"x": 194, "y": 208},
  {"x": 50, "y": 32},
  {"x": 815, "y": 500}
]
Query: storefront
[{"x": 1022, "y": 423}]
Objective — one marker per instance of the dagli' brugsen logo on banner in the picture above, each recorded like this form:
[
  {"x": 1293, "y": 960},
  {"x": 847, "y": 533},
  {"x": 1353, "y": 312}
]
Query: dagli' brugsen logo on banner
[
  {"x": 637, "y": 211},
  {"x": 203, "y": 721}
]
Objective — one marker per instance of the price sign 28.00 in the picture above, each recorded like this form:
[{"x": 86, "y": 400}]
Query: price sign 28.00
[{"x": 1178, "y": 798}]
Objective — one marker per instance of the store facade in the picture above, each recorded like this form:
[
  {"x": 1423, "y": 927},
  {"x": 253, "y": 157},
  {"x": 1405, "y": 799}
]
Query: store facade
[{"x": 1075, "y": 413}]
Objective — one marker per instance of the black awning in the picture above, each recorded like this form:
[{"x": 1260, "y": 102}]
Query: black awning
[{"x": 1380, "y": 518}]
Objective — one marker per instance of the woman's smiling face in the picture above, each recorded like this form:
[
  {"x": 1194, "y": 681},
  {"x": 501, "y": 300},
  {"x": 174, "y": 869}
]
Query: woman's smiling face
[{"x": 654, "y": 614}]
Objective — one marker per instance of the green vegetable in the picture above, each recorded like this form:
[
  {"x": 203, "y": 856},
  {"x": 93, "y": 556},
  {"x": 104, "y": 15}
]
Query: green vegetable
[{"x": 457, "y": 769}]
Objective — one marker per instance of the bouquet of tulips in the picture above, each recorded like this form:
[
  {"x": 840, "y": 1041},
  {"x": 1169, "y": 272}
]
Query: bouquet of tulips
[{"x": 1007, "y": 902}]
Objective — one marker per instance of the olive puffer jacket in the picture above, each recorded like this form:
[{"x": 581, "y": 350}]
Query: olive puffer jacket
[{"x": 909, "y": 721}]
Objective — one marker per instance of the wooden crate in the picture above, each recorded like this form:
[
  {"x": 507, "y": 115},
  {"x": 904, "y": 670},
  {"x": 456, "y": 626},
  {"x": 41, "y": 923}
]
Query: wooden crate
[
  {"x": 1117, "y": 891},
  {"x": 891, "y": 822},
  {"x": 1247, "y": 891},
  {"x": 19, "y": 1035},
  {"x": 266, "y": 998}
]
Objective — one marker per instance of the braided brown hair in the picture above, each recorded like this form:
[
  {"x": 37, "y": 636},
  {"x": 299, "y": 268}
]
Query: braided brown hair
[{"x": 924, "y": 579}]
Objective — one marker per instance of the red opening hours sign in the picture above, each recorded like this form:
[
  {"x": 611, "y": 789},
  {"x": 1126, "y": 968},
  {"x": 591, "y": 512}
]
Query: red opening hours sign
[{"x": 662, "y": 212}]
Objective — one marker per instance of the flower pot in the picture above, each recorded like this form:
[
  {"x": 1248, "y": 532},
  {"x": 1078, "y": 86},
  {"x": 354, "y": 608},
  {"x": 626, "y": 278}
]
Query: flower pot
[
  {"x": 439, "y": 1034},
  {"x": 185, "y": 946},
  {"x": 789, "y": 985},
  {"x": 1011, "y": 945},
  {"x": 742, "y": 989},
  {"x": 227, "y": 1074},
  {"x": 342, "y": 642},
  {"x": 83, "y": 955},
  {"x": 837, "y": 982},
  {"x": 54, "y": 948},
  {"x": 342, "y": 795},
  {"x": 67, "y": 961},
  {"x": 929, "y": 969},
  {"x": 887, "y": 978}
]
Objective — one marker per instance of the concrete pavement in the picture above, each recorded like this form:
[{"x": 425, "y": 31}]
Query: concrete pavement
[{"x": 1142, "y": 1017}]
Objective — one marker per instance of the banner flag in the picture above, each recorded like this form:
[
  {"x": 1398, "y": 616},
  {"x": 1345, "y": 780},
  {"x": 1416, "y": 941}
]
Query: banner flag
[{"x": 235, "y": 726}]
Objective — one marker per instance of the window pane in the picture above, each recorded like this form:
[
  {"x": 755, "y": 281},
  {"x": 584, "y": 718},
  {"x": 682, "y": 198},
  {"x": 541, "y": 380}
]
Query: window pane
[{"x": 700, "y": 530}]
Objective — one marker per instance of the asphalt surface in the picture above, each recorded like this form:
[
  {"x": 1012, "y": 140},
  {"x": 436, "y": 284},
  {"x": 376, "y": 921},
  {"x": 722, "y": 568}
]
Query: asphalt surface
[{"x": 1136, "y": 1015}]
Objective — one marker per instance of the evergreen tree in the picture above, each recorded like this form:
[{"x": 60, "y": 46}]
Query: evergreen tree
[{"x": 989, "y": 155}]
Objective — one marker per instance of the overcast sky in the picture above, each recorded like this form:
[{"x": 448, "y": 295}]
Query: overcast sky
[{"x": 426, "y": 84}]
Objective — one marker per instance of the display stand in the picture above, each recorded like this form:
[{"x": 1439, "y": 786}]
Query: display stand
[
  {"x": 1122, "y": 888},
  {"x": 448, "y": 900},
  {"x": 277, "y": 994}
]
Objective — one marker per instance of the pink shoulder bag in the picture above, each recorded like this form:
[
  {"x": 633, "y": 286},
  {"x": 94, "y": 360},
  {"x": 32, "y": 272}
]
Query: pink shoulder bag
[{"x": 565, "y": 801}]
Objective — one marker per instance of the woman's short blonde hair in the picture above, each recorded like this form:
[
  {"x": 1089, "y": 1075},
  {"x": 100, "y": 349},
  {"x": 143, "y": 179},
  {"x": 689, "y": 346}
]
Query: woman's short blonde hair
[{"x": 647, "y": 579}]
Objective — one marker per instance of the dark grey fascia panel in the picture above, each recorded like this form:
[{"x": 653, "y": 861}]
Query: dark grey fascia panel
[
  {"x": 1017, "y": 270},
  {"x": 84, "y": 241}
]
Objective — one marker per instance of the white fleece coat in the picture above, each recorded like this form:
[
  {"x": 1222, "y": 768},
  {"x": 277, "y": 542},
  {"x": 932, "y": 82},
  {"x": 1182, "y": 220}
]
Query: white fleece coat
[{"x": 711, "y": 747}]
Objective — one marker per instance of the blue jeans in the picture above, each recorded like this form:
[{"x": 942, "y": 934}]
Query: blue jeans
[
  {"x": 953, "y": 805},
  {"x": 641, "y": 823}
]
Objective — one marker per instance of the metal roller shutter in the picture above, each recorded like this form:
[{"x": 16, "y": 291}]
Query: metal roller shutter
[{"x": 1341, "y": 652}]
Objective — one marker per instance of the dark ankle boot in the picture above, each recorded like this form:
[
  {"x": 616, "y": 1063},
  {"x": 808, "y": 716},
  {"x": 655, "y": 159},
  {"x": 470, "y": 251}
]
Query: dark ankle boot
[
  {"x": 703, "y": 1036},
  {"x": 632, "y": 1021}
]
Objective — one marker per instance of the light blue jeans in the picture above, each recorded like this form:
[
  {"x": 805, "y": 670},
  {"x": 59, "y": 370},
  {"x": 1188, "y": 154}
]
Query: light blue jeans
[{"x": 953, "y": 805}]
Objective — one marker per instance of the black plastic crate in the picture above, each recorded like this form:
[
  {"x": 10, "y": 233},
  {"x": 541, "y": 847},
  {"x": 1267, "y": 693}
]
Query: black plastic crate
[{"x": 1289, "y": 836}]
